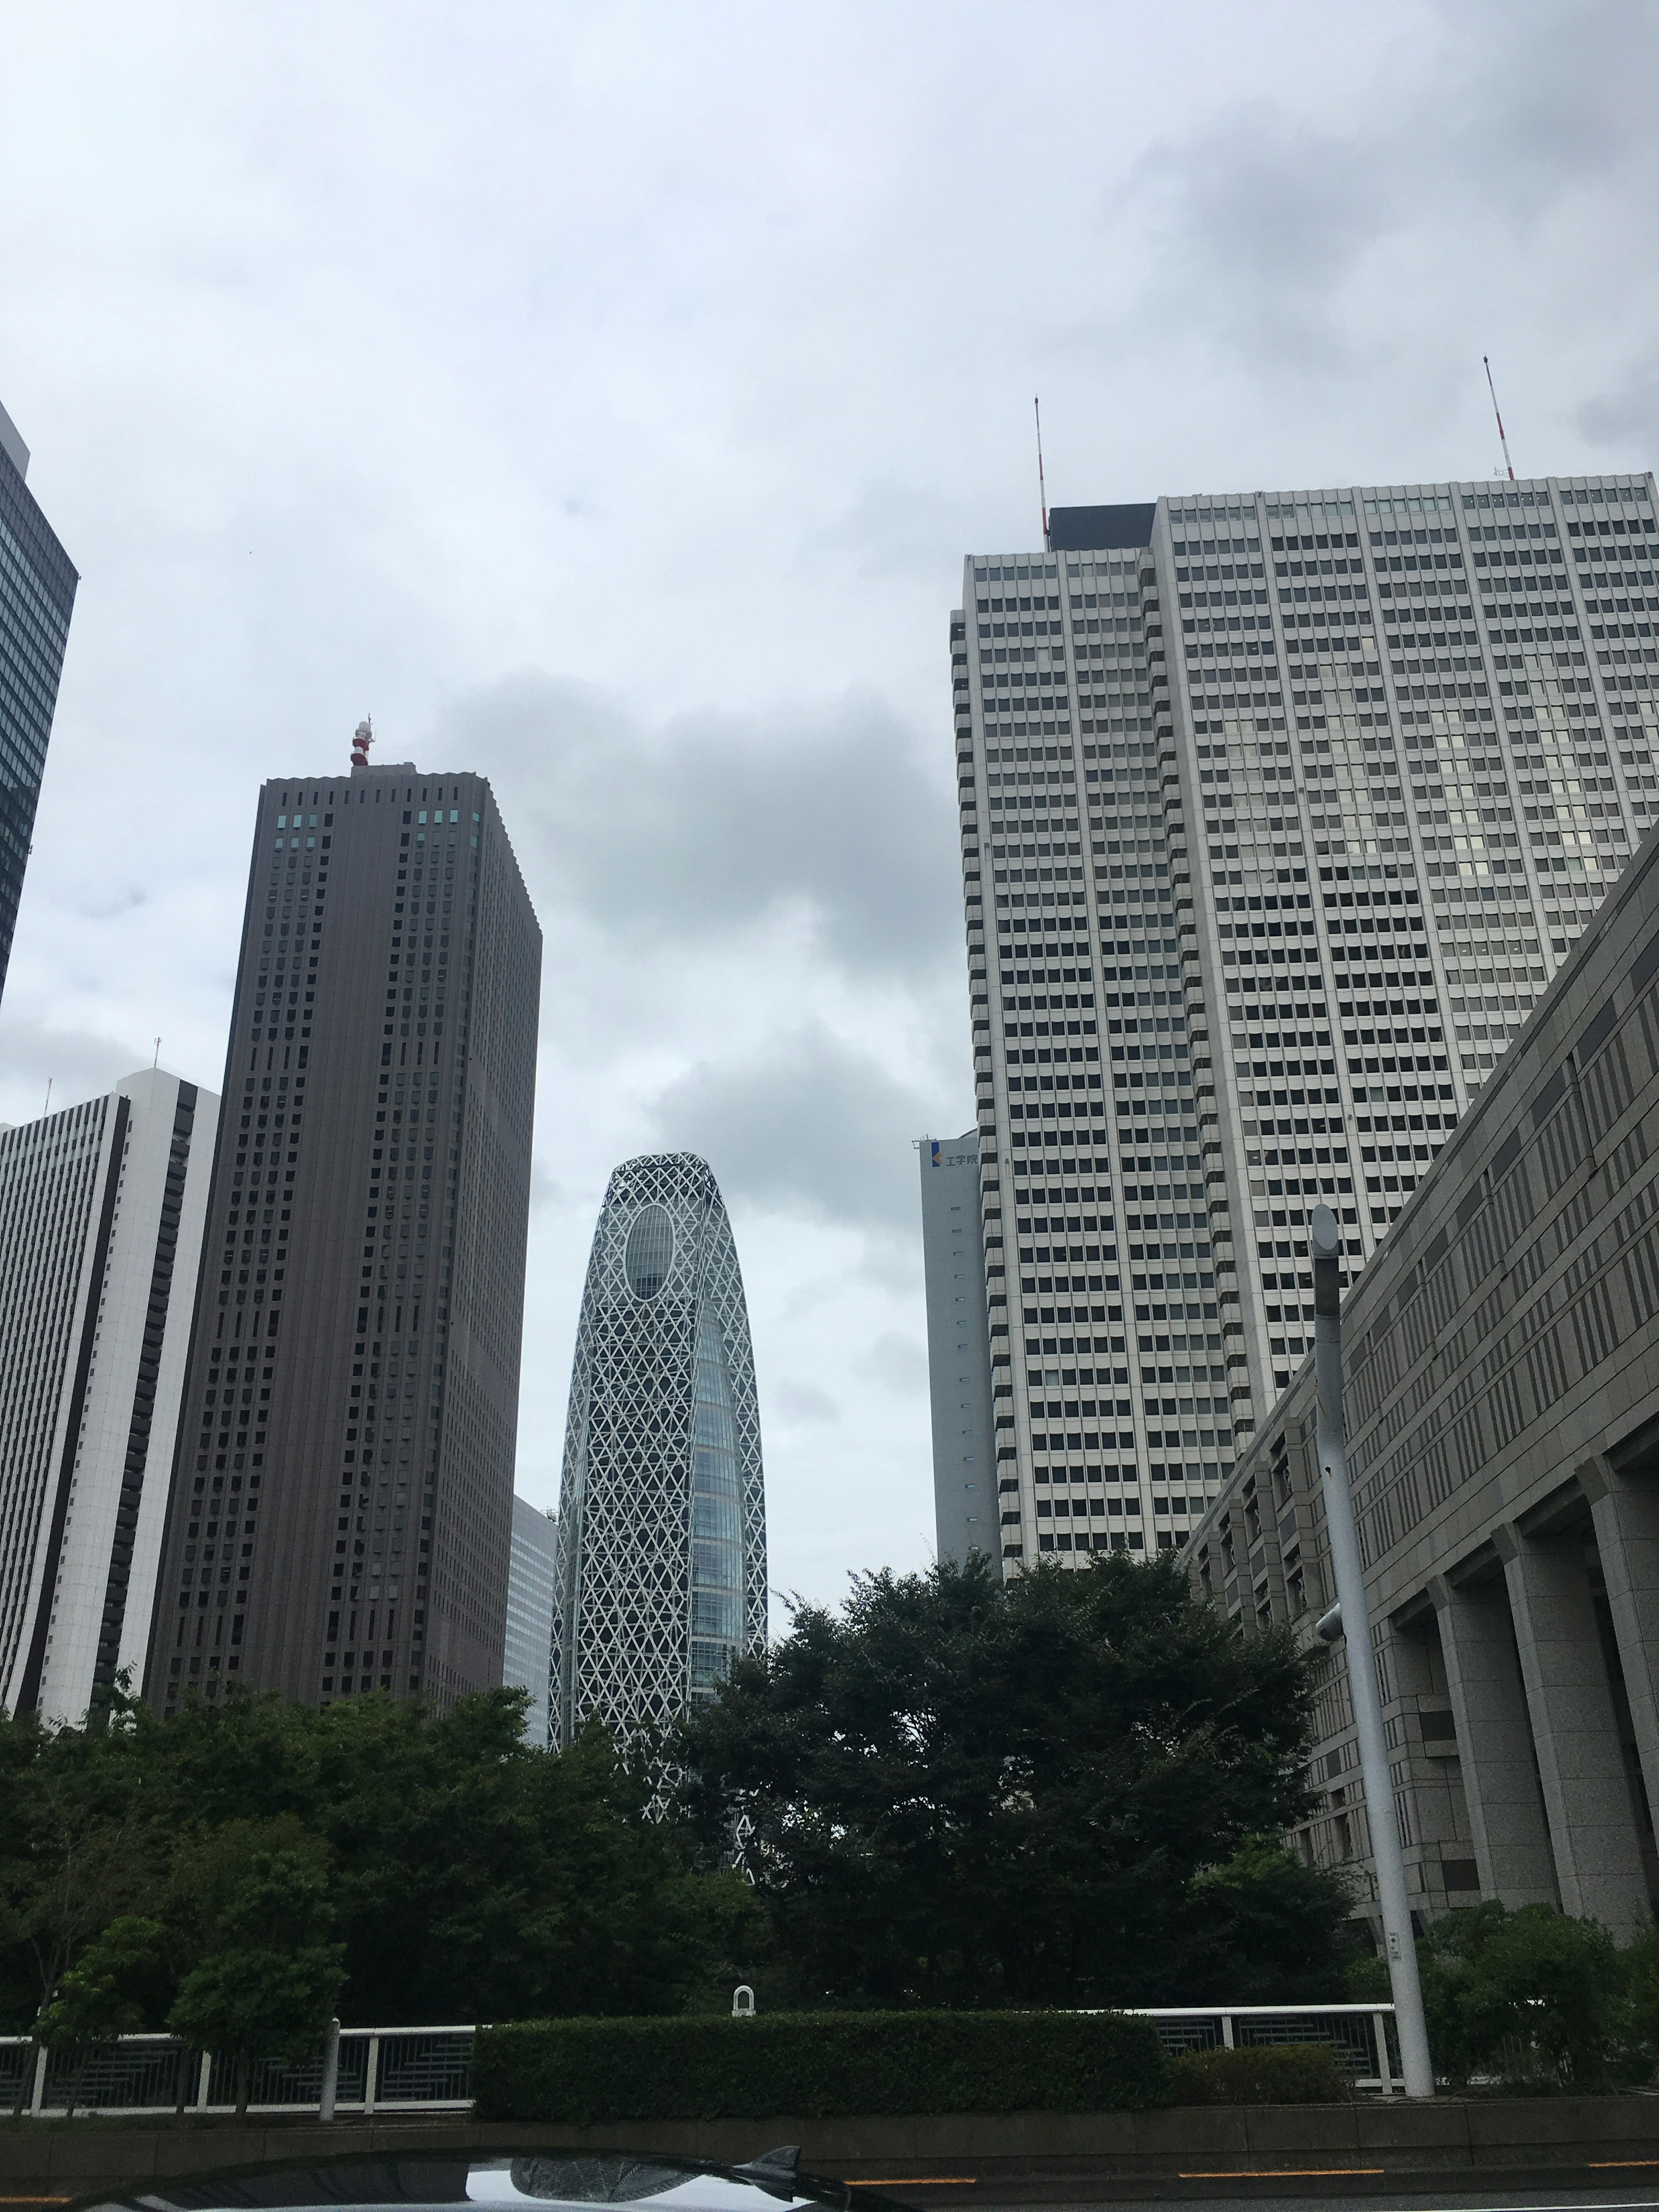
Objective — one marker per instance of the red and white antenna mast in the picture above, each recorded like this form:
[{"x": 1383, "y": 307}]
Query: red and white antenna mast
[
  {"x": 1502, "y": 440},
  {"x": 362, "y": 738},
  {"x": 1042, "y": 495}
]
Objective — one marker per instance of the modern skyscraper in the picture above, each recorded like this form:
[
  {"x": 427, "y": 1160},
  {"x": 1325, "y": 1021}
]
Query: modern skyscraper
[
  {"x": 662, "y": 1512},
  {"x": 37, "y": 596},
  {"x": 1331, "y": 861},
  {"x": 528, "y": 1660},
  {"x": 342, "y": 1501},
  {"x": 101, "y": 1208},
  {"x": 958, "y": 1349}
]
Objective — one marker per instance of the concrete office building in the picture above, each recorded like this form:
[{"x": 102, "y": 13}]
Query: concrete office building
[
  {"x": 662, "y": 1512},
  {"x": 37, "y": 596},
  {"x": 101, "y": 1208},
  {"x": 1279, "y": 813},
  {"x": 958, "y": 1349},
  {"x": 528, "y": 1661},
  {"x": 342, "y": 1495},
  {"x": 1502, "y": 1396}
]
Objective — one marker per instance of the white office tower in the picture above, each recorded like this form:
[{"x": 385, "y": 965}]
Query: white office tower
[
  {"x": 101, "y": 1209},
  {"x": 529, "y": 1654},
  {"x": 959, "y": 1351},
  {"x": 1278, "y": 810}
]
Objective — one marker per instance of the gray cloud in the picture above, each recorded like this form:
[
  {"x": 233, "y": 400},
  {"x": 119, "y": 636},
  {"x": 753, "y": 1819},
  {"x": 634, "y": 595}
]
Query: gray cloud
[
  {"x": 797, "y": 1402},
  {"x": 898, "y": 1362},
  {"x": 810, "y": 1126},
  {"x": 1628, "y": 416},
  {"x": 78, "y": 1064},
  {"x": 712, "y": 824},
  {"x": 1318, "y": 232}
]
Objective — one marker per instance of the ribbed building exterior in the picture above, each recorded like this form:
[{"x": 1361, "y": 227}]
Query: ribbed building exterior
[
  {"x": 662, "y": 1513},
  {"x": 1501, "y": 1395},
  {"x": 352, "y": 1400},
  {"x": 37, "y": 596},
  {"x": 1279, "y": 811},
  {"x": 101, "y": 1209},
  {"x": 526, "y": 1659},
  {"x": 958, "y": 1352}
]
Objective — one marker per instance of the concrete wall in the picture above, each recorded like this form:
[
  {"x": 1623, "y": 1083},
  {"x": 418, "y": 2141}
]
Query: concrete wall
[{"x": 1503, "y": 1410}]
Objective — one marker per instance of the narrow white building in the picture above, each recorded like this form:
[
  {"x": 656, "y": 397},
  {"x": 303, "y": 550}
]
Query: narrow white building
[
  {"x": 958, "y": 1351},
  {"x": 101, "y": 1211},
  {"x": 528, "y": 1659}
]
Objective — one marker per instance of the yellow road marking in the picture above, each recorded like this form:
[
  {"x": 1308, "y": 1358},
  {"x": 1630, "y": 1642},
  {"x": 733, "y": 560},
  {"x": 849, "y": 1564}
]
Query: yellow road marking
[{"x": 1280, "y": 2173}]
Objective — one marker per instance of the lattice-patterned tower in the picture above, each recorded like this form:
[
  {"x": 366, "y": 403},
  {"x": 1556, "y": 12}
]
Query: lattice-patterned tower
[{"x": 662, "y": 1517}]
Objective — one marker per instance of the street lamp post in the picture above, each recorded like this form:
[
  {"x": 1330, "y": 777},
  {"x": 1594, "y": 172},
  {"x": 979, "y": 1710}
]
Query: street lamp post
[{"x": 1324, "y": 1245}]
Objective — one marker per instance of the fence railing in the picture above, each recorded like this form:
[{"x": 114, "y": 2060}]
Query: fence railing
[
  {"x": 1362, "y": 2035},
  {"x": 404, "y": 2070},
  {"x": 429, "y": 2069}
]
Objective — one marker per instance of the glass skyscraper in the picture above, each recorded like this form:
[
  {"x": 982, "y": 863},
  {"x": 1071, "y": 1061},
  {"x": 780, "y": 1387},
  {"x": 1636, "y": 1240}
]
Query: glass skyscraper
[
  {"x": 530, "y": 1613},
  {"x": 662, "y": 1516},
  {"x": 37, "y": 596}
]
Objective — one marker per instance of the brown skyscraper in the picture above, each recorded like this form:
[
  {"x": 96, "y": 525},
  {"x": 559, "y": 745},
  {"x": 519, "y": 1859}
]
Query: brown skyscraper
[{"x": 342, "y": 1506}]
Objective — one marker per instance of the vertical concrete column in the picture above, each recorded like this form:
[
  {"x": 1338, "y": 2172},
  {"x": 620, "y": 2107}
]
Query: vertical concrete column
[
  {"x": 1593, "y": 1832},
  {"x": 1494, "y": 1743},
  {"x": 1626, "y": 1516}
]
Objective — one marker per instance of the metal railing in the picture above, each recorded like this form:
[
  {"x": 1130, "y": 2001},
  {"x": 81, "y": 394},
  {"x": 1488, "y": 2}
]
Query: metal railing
[
  {"x": 400, "y": 2069},
  {"x": 1362, "y": 2036},
  {"x": 429, "y": 2070}
]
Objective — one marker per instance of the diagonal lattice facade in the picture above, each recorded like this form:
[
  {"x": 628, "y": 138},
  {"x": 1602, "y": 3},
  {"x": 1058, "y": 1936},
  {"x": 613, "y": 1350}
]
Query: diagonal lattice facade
[{"x": 661, "y": 1576}]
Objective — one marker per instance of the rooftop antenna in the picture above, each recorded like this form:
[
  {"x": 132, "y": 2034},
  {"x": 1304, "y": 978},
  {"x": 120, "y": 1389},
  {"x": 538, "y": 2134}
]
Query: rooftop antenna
[
  {"x": 362, "y": 737},
  {"x": 1042, "y": 495},
  {"x": 1502, "y": 440},
  {"x": 157, "y": 1062},
  {"x": 46, "y": 1109}
]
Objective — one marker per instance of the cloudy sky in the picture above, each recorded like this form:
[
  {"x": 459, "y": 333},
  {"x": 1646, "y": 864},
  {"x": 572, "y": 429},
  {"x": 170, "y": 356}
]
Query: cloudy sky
[{"x": 603, "y": 397}]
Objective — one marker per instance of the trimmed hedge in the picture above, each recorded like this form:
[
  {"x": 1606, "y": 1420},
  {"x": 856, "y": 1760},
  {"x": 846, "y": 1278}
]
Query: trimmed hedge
[
  {"x": 818, "y": 2066},
  {"x": 1263, "y": 2074}
]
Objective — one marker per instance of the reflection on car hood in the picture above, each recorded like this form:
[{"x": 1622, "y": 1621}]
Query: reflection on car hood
[{"x": 551, "y": 2178}]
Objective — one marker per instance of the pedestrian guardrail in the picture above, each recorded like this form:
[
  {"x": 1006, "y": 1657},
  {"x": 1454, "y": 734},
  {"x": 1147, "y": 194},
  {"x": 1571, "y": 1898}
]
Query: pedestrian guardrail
[
  {"x": 429, "y": 2069},
  {"x": 1362, "y": 2035},
  {"x": 404, "y": 2070}
]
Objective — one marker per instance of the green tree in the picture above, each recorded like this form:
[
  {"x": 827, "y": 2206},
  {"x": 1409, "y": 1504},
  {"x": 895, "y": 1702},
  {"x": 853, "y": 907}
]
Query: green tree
[
  {"x": 109, "y": 1991},
  {"x": 1508, "y": 1993},
  {"x": 267, "y": 1986},
  {"x": 1265, "y": 1928},
  {"x": 473, "y": 1874},
  {"x": 964, "y": 1792}
]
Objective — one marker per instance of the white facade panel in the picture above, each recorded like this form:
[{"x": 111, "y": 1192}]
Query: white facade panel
[
  {"x": 958, "y": 1349},
  {"x": 1273, "y": 834},
  {"x": 101, "y": 1209}
]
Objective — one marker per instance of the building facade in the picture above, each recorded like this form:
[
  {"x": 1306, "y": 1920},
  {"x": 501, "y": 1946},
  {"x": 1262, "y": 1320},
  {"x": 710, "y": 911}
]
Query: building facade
[
  {"x": 1501, "y": 1383},
  {"x": 101, "y": 1209},
  {"x": 1277, "y": 814},
  {"x": 342, "y": 1505},
  {"x": 662, "y": 1512},
  {"x": 527, "y": 1664},
  {"x": 958, "y": 1349},
  {"x": 37, "y": 598}
]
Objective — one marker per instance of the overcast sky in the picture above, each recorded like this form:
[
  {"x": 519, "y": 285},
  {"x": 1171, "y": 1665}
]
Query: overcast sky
[{"x": 604, "y": 396}]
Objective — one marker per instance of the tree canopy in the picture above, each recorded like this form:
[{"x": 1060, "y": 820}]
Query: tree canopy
[
  {"x": 1049, "y": 1791},
  {"x": 1066, "y": 1791},
  {"x": 466, "y": 1874}
]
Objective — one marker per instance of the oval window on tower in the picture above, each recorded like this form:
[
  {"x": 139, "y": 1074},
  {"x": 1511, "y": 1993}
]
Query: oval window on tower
[{"x": 650, "y": 1252}]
